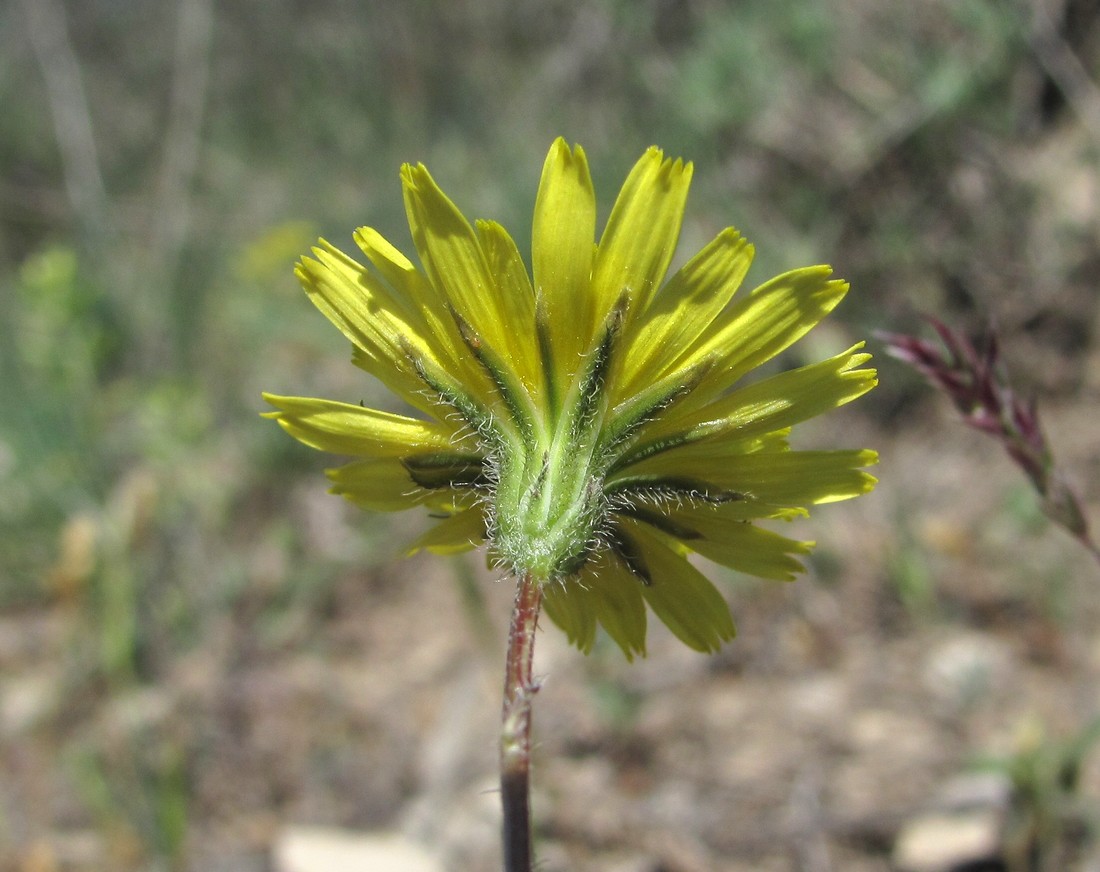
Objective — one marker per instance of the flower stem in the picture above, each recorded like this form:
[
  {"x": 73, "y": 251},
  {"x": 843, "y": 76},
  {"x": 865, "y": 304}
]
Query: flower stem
[{"x": 515, "y": 728}]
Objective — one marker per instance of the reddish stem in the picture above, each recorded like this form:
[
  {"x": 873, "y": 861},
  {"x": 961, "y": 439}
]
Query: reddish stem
[{"x": 515, "y": 729}]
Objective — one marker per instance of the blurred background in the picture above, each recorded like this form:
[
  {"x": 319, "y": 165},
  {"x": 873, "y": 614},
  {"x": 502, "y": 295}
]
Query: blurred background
[{"x": 201, "y": 652}]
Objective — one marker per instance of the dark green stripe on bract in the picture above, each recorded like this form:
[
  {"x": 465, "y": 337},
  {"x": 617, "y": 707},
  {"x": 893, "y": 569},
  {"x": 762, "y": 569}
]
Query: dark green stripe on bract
[
  {"x": 658, "y": 520},
  {"x": 433, "y": 471},
  {"x": 632, "y": 414},
  {"x": 515, "y": 397},
  {"x": 546, "y": 353},
  {"x": 623, "y": 544},
  {"x": 451, "y": 394},
  {"x": 590, "y": 386}
]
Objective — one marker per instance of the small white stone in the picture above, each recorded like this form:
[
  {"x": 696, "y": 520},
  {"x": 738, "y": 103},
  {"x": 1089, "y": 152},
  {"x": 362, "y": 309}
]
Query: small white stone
[
  {"x": 941, "y": 842},
  {"x": 325, "y": 849}
]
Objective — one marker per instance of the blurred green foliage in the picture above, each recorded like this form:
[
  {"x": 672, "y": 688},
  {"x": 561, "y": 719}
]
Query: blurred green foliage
[{"x": 1050, "y": 818}]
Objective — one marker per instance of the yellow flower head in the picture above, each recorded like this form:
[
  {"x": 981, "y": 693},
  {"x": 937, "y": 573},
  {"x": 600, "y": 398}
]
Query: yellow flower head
[{"x": 585, "y": 419}]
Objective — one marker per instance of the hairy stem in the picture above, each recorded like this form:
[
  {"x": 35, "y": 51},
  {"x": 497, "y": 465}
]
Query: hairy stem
[{"x": 515, "y": 728}]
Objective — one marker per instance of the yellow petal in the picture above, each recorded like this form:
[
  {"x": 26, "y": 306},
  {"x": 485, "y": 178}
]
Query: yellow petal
[
  {"x": 348, "y": 307},
  {"x": 684, "y": 308},
  {"x": 681, "y": 596},
  {"x": 453, "y": 258},
  {"x": 641, "y": 233},
  {"x": 460, "y": 532},
  {"x": 342, "y": 428},
  {"x": 438, "y": 327},
  {"x": 568, "y": 605},
  {"x": 373, "y": 333},
  {"x": 771, "y": 319},
  {"x": 403, "y": 382},
  {"x": 384, "y": 485},
  {"x": 775, "y": 403},
  {"x": 516, "y": 300},
  {"x": 363, "y": 308},
  {"x": 742, "y": 546},
  {"x": 782, "y": 478},
  {"x": 563, "y": 237},
  {"x": 616, "y": 595}
]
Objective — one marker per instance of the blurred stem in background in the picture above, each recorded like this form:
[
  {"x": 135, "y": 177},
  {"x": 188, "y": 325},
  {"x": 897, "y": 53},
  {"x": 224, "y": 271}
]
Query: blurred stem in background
[
  {"x": 172, "y": 228},
  {"x": 72, "y": 121},
  {"x": 152, "y": 285}
]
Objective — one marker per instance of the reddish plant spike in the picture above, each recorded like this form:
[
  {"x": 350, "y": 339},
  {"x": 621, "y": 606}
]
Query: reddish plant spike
[{"x": 979, "y": 388}]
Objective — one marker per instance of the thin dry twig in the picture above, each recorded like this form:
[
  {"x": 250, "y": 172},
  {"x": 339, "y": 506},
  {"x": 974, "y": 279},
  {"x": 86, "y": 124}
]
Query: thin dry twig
[
  {"x": 72, "y": 120},
  {"x": 1060, "y": 62},
  {"x": 183, "y": 139}
]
